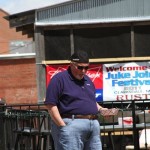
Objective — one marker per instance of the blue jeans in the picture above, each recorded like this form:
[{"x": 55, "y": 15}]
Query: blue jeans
[{"x": 78, "y": 134}]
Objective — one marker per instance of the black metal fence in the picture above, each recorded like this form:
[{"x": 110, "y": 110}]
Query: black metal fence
[
  {"x": 27, "y": 127},
  {"x": 123, "y": 131}
]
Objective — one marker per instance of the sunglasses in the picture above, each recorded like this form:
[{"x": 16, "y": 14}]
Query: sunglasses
[{"x": 83, "y": 67}]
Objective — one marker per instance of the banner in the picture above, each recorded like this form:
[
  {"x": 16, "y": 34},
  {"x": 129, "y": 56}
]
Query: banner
[
  {"x": 117, "y": 81},
  {"x": 126, "y": 81},
  {"x": 94, "y": 72}
]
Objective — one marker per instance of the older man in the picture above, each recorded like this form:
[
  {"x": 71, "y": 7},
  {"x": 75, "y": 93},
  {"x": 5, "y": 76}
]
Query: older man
[{"x": 73, "y": 108}]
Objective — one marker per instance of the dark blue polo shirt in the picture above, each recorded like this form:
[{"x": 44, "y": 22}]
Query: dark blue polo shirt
[{"x": 72, "y": 96}]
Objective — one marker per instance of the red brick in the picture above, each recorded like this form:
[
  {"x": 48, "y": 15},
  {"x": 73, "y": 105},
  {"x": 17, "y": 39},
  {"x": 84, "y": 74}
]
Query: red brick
[
  {"x": 17, "y": 76},
  {"x": 18, "y": 81}
]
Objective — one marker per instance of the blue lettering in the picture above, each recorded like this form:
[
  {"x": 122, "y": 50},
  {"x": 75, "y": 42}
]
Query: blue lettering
[
  {"x": 118, "y": 75},
  {"x": 131, "y": 82},
  {"x": 145, "y": 74}
]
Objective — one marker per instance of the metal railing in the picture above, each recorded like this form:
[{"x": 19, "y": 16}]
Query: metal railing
[
  {"x": 27, "y": 126},
  {"x": 122, "y": 130}
]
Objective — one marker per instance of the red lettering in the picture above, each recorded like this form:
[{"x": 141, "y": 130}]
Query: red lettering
[
  {"x": 130, "y": 68},
  {"x": 132, "y": 97}
]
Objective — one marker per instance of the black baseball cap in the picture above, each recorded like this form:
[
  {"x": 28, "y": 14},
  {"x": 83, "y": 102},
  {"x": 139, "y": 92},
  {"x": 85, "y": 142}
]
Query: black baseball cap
[{"x": 80, "y": 57}]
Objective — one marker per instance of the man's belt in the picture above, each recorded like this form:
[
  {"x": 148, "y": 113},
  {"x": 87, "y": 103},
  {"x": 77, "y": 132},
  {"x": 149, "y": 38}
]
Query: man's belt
[{"x": 90, "y": 117}]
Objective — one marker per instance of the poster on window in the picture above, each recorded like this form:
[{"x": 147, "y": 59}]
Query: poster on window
[
  {"x": 115, "y": 82},
  {"x": 94, "y": 72}
]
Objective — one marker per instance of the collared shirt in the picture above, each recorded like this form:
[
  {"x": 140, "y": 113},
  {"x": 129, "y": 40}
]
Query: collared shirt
[{"x": 70, "y": 95}]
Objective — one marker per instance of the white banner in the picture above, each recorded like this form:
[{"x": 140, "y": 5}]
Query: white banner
[{"x": 126, "y": 81}]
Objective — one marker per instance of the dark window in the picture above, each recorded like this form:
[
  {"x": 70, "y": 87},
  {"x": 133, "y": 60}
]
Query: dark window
[
  {"x": 142, "y": 41},
  {"x": 57, "y": 44},
  {"x": 104, "y": 42}
]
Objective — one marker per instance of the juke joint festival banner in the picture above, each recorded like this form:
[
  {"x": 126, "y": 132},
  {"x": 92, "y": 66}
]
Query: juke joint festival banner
[{"x": 115, "y": 82}]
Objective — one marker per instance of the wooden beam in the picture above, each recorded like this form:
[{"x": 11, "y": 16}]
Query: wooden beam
[
  {"x": 100, "y": 60},
  {"x": 40, "y": 69},
  {"x": 132, "y": 41}
]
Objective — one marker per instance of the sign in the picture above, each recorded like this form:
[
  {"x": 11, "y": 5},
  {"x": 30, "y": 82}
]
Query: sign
[
  {"x": 94, "y": 72},
  {"x": 126, "y": 81},
  {"x": 117, "y": 81}
]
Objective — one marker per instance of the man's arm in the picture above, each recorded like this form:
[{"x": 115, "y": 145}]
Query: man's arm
[
  {"x": 55, "y": 115},
  {"x": 100, "y": 107}
]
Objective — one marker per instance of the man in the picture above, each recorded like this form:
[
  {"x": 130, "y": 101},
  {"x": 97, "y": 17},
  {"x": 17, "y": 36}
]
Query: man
[{"x": 73, "y": 108}]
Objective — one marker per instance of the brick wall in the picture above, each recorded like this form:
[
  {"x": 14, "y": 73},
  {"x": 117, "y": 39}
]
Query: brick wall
[
  {"x": 18, "y": 81},
  {"x": 17, "y": 76},
  {"x": 7, "y": 34}
]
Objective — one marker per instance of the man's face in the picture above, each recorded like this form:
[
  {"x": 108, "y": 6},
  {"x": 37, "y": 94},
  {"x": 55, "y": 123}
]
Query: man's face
[{"x": 79, "y": 69}]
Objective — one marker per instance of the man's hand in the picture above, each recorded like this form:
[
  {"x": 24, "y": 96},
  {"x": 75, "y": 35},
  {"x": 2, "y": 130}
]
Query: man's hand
[{"x": 108, "y": 112}]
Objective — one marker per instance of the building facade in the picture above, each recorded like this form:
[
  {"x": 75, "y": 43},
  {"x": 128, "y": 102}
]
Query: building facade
[
  {"x": 17, "y": 64},
  {"x": 110, "y": 31}
]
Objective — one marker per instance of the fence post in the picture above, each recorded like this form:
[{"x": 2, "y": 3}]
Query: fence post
[
  {"x": 135, "y": 131},
  {"x": 2, "y": 127}
]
